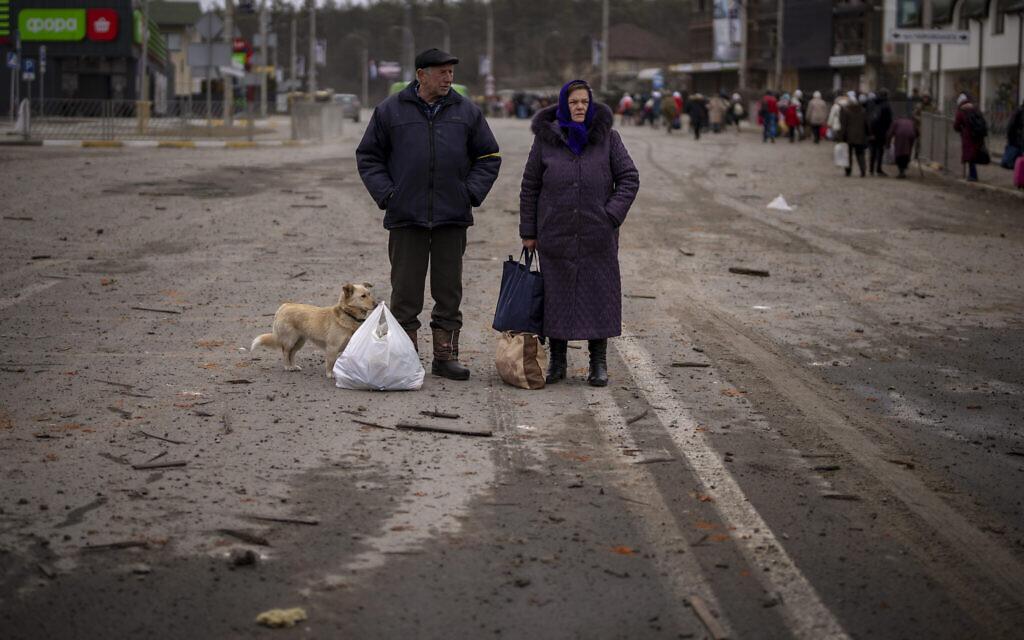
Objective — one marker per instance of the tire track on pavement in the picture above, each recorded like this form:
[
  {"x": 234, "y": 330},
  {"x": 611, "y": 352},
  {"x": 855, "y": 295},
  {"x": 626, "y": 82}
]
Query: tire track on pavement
[{"x": 802, "y": 609}]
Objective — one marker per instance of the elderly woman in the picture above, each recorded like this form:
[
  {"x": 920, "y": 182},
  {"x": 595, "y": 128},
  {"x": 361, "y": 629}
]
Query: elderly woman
[{"x": 577, "y": 188}]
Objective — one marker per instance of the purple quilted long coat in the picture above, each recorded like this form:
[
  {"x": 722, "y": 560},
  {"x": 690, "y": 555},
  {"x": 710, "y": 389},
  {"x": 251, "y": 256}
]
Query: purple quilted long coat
[{"x": 573, "y": 205}]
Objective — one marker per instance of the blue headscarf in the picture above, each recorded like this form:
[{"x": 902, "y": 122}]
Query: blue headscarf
[{"x": 576, "y": 132}]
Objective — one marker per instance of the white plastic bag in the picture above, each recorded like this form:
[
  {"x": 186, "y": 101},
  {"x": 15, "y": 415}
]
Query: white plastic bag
[
  {"x": 380, "y": 357},
  {"x": 841, "y": 154}
]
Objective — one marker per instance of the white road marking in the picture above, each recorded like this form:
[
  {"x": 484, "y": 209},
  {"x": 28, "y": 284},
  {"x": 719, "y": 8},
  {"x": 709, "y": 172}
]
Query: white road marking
[
  {"x": 802, "y": 608},
  {"x": 682, "y": 571},
  {"x": 27, "y": 292}
]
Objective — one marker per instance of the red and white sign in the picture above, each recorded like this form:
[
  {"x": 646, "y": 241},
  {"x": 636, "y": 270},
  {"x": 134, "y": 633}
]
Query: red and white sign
[{"x": 101, "y": 24}]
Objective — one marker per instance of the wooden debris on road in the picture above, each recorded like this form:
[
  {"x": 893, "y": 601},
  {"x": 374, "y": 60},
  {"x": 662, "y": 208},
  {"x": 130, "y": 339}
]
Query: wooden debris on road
[
  {"x": 908, "y": 465},
  {"x": 245, "y": 536},
  {"x": 308, "y": 521},
  {"x": 691, "y": 364},
  {"x": 841, "y": 496},
  {"x": 743, "y": 271},
  {"x": 637, "y": 295},
  {"x": 440, "y": 414},
  {"x": 124, "y": 544},
  {"x": 373, "y": 424},
  {"x": 156, "y": 310},
  {"x": 637, "y": 417},
  {"x": 159, "y": 465},
  {"x": 702, "y": 611},
  {"x": 150, "y": 435},
  {"x": 450, "y": 430},
  {"x": 127, "y": 415},
  {"x": 654, "y": 460}
]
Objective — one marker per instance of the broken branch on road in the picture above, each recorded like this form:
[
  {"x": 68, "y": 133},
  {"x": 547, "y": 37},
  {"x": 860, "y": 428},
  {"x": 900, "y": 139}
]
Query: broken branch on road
[
  {"x": 449, "y": 430},
  {"x": 743, "y": 271}
]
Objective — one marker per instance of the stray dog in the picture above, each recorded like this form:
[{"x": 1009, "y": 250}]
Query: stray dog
[{"x": 329, "y": 328}]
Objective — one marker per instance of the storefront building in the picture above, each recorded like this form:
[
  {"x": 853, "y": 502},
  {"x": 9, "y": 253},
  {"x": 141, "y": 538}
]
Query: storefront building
[{"x": 92, "y": 50}]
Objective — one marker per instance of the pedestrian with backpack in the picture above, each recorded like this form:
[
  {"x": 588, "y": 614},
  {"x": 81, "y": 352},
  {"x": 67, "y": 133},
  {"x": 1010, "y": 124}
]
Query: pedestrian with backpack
[{"x": 970, "y": 123}]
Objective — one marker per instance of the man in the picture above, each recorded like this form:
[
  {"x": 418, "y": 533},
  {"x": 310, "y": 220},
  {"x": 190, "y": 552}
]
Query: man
[
  {"x": 853, "y": 130},
  {"x": 769, "y": 113},
  {"x": 879, "y": 121},
  {"x": 427, "y": 158}
]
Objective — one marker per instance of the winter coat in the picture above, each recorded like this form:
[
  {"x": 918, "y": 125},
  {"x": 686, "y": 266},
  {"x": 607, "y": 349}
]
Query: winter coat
[
  {"x": 697, "y": 109},
  {"x": 833, "y": 121},
  {"x": 573, "y": 205},
  {"x": 669, "y": 109},
  {"x": 880, "y": 119},
  {"x": 427, "y": 173},
  {"x": 853, "y": 125},
  {"x": 968, "y": 145},
  {"x": 1015, "y": 129},
  {"x": 817, "y": 112},
  {"x": 792, "y": 115},
  {"x": 901, "y": 135},
  {"x": 769, "y": 105},
  {"x": 717, "y": 108}
]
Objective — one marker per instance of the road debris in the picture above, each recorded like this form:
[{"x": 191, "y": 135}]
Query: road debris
[
  {"x": 245, "y": 536},
  {"x": 908, "y": 465},
  {"x": 242, "y": 557},
  {"x": 124, "y": 544},
  {"x": 440, "y": 414},
  {"x": 638, "y": 417},
  {"x": 159, "y": 465},
  {"x": 156, "y": 310},
  {"x": 780, "y": 204},
  {"x": 686, "y": 253},
  {"x": 308, "y": 521},
  {"x": 373, "y": 424},
  {"x": 278, "y": 618},
  {"x": 150, "y": 435},
  {"x": 691, "y": 364},
  {"x": 637, "y": 295},
  {"x": 841, "y": 496},
  {"x": 702, "y": 611},
  {"x": 743, "y": 271},
  {"x": 486, "y": 433},
  {"x": 127, "y": 415}
]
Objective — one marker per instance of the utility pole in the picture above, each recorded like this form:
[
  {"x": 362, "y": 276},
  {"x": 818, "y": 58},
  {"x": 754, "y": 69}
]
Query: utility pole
[
  {"x": 604, "y": 46},
  {"x": 229, "y": 88},
  {"x": 293, "y": 41},
  {"x": 742, "y": 72},
  {"x": 926, "y": 52},
  {"x": 312, "y": 49},
  {"x": 490, "y": 45},
  {"x": 778, "y": 45},
  {"x": 408, "y": 63},
  {"x": 263, "y": 58},
  {"x": 143, "y": 104}
]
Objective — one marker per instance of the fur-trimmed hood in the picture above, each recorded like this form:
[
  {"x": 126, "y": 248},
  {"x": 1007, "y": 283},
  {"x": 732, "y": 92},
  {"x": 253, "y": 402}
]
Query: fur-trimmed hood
[{"x": 545, "y": 125}]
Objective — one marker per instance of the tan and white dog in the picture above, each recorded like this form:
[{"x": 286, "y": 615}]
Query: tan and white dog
[{"x": 329, "y": 328}]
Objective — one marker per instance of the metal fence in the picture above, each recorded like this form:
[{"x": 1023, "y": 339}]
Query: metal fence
[{"x": 939, "y": 143}]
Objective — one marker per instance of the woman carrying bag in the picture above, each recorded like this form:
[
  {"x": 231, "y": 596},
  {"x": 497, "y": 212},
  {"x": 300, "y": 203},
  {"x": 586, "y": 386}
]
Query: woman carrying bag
[{"x": 577, "y": 188}]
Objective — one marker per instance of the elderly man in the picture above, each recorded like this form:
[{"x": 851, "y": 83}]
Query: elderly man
[{"x": 427, "y": 158}]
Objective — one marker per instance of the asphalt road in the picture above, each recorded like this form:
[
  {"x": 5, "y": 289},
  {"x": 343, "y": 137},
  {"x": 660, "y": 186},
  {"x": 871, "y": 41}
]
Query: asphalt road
[{"x": 847, "y": 465}]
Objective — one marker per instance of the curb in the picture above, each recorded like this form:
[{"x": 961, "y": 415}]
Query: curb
[
  {"x": 943, "y": 172},
  {"x": 160, "y": 144}
]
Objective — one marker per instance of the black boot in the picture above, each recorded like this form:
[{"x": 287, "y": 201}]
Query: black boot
[
  {"x": 446, "y": 356},
  {"x": 556, "y": 361},
  {"x": 598, "y": 362}
]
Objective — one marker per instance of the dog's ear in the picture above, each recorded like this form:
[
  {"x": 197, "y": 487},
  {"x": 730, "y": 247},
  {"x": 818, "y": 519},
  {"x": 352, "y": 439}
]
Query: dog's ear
[
  {"x": 367, "y": 285},
  {"x": 346, "y": 291}
]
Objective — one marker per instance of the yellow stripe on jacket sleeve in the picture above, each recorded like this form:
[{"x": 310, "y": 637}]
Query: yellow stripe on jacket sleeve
[{"x": 490, "y": 155}]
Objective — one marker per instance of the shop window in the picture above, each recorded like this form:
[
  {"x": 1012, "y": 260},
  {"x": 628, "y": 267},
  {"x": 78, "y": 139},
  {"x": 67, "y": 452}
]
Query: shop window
[{"x": 173, "y": 41}]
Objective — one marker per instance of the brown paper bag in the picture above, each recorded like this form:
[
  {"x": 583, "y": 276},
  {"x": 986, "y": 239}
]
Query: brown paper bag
[{"x": 521, "y": 360}]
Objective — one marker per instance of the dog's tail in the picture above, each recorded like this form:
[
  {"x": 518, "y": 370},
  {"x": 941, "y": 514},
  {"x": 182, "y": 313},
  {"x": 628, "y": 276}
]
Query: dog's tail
[{"x": 264, "y": 340}]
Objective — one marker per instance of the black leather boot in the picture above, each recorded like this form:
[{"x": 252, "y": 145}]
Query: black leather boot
[
  {"x": 446, "y": 356},
  {"x": 598, "y": 362},
  {"x": 556, "y": 361}
]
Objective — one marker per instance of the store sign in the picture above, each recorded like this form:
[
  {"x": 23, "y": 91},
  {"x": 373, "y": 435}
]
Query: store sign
[
  {"x": 51, "y": 24},
  {"x": 101, "y": 24},
  {"x": 847, "y": 61}
]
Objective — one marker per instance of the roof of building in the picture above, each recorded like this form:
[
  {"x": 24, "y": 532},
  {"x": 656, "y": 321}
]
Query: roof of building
[
  {"x": 175, "y": 12},
  {"x": 632, "y": 42}
]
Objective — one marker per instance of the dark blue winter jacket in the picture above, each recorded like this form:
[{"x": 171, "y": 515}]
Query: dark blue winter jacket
[{"x": 427, "y": 172}]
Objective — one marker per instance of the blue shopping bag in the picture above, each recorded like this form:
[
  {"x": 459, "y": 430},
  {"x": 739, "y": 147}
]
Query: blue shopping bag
[{"x": 521, "y": 299}]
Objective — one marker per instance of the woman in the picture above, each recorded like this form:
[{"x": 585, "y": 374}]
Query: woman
[
  {"x": 717, "y": 109},
  {"x": 853, "y": 130},
  {"x": 971, "y": 142},
  {"x": 697, "y": 109},
  {"x": 817, "y": 115},
  {"x": 578, "y": 185},
  {"x": 902, "y": 134}
]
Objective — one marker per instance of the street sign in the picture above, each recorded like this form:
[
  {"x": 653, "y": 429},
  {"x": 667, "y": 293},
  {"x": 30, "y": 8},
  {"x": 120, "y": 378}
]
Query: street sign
[
  {"x": 28, "y": 69},
  {"x": 12, "y": 60},
  {"x": 931, "y": 36},
  {"x": 858, "y": 60},
  {"x": 658, "y": 81},
  {"x": 211, "y": 54},
  {"x": 209, "y": 26}
]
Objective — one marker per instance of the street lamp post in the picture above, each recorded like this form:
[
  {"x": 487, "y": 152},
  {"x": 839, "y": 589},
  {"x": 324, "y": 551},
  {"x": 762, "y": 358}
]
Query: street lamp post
[
  {"x": 410, "y": 42},
  {"x": 366, "y": 93},
  {"x": 447, "y": 32}
]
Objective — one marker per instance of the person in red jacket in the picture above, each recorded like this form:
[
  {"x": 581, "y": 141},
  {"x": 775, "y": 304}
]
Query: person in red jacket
[
  {"x": 768, "y": 112},
  {"x": 792, "y": 116}
]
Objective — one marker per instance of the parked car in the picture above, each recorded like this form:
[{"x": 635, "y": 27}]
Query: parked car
[{"x": 350, "y": 105}]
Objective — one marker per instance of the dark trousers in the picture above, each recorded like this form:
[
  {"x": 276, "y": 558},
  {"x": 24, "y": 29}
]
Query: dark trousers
[
  {"x": 877, "y": 153},
  {"x": 411, "y": 250},
  {"x": 816, "y": 130},
  {"x": 856, "y": 150},
  {"x": 902, "y": 162}
]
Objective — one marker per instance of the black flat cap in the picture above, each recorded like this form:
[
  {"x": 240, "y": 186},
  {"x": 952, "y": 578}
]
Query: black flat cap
[{"x": 434, "y": 58}]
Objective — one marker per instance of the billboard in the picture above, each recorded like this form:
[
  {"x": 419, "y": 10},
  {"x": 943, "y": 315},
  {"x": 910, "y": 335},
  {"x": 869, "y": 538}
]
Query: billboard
[{"x": 726, "y": 25}]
